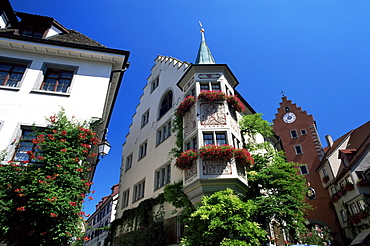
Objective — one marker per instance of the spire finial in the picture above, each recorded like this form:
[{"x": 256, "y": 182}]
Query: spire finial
[{"x": 204, "y": 54}]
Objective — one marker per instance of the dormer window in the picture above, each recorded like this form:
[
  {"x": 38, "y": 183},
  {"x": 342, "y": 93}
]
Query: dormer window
[{"x": 33, "y": 31}]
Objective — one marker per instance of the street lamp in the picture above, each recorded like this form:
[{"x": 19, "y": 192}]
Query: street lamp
[{"x": 104, "y": 147}]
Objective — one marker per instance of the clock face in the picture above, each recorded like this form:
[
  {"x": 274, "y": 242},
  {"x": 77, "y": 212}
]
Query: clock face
[{"x": 289, "y": 117}]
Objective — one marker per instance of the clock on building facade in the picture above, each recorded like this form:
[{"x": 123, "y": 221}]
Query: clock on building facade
[{"x": 289, "y": 117}]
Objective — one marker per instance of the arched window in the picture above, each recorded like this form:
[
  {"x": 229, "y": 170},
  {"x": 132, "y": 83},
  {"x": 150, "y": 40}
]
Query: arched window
[{"x": 166, "y": 104}]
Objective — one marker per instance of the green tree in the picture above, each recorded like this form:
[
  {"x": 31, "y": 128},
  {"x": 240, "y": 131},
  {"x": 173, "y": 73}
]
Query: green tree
[
  {"x": 223, "y": 219},
  {"x": 40, "y": 204},
  {"x": 274, "y": 184}
]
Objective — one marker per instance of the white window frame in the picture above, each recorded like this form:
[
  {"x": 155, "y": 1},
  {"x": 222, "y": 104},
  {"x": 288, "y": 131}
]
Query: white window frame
[
  {"x": 300, "y": 169},
  {"x": 125, "y": 198},
  {"x": 296, "y": 149},
  {"x": 164, "y": 132},
  {"x": 303, "y": 132},
  {"x": 162, "y": 176},
  {"x": 192, "y": 144},
  {"x": 292, "y": 133},
  {"x": 145, "y": 118},
  {"x": 154, "y": 84},
  {"x": 143, "y": 148},
  {"x": 139, "y": 191},
  {"x": 128, "y": 164},
  {"x": 343, "y": 215},
  {"x": 354, "y": 208},
  {"x": 361, "y": 205},
  {"x": 214, "y": 137}
]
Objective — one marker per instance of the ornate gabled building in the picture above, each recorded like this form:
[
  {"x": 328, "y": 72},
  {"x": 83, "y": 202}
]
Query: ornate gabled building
[
  {"x": 45, "y": 66},
  {"x": 345, "y": 173},
  {"x": 301, "y": 142},
  {"x": 203, "y": 97}
]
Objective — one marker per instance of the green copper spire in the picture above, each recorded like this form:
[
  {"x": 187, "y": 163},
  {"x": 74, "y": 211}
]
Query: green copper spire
[{"x": 204, "y": 54}]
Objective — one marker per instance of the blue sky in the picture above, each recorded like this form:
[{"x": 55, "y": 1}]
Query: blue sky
[{"x": 316, "y": 51}]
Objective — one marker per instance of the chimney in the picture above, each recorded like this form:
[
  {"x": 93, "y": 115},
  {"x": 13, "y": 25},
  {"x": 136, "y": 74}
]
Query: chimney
[{"x": 329, "y": 140}]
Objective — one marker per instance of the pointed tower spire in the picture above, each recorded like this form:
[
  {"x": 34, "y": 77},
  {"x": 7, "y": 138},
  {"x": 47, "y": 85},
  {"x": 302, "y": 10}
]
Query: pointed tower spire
[{"x": 204, "y": 54}]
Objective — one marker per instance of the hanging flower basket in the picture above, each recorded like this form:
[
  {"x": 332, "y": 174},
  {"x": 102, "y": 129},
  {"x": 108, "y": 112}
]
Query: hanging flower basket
[
  {"x": 235, "y": 102},
  {"x": 363, "y": 182},
  {"x": 185, "y": 106},
  {"x": 243, "y": 157},
  {"x": 186, "y": 159},
  {"x": 214, "y": 152},
  {"x": 325, "y": 179},
  {"x": 211, "y": 96}
]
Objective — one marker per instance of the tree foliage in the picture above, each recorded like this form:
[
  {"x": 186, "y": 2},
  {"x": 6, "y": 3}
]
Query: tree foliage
[
  {"x": 223, "y": 219},
  {"x": 40, "y": 204}
]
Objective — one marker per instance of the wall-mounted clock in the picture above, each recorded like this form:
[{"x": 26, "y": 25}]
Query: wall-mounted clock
[{"x": 289, "y": 117}]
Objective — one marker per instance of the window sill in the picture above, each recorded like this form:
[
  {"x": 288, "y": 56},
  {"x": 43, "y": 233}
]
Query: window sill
[
  {"x": 9, "y": 88},
  {"x": 53, "y": 93}
]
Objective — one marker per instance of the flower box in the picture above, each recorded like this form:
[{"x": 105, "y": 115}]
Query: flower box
[
  {"x": 325, "y": 179},
  {"x": 335, "y": 197},
  {"x": 186, "y": 159},
  {"x": 349, "y": 187},
  {"x": 362, "y": 215},
  {"x": 243, "y": 157},
  {"x": 214, "y": 152},
  {"x": 211, "y": 96},
  {"x": 355, "y": 219},
  {"x": 235, "y": 102},
  {"x": 363, "y": 182},
  {"x": 185, "y": 106}
]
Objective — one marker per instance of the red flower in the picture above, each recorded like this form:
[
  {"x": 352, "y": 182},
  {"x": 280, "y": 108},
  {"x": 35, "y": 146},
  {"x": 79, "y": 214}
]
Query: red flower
[
  {"x": 63, "y": 133},
  {"x": 34, "y": 141},
  {"x": 62, "y": 140},
  {"x": 63, "y": 150},
  {"x": 40, "y": 157},
  {"x": 29, "y": 152},
  {"x": 74, "y": 204},
  {"x": 53, "y": 215},
  {"x": 21, "y": 209},
  {"x": 91, "y": 198},
  {"x": 55, "y": 131},
  {"x": 86, "y": 238},
  {"x": 79, "y": 169}
]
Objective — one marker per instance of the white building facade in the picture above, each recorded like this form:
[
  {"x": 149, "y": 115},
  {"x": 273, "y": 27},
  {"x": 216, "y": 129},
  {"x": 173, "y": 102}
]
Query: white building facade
[{"x": 45, "y": 67}]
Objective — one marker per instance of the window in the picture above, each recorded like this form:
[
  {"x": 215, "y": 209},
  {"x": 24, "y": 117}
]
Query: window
[
  {"x": 25, "y": 145},
  {"x": 216, "y": 86},
  {"x": 154, "y": 84},
  {"x": 204, "y": 87},
  {"x": 333, "y": 190},
  {"x": 343, "y": 215},
  {"x": 324, "y": 172},
  {"x": 145, "y": 118},
  {"x": 11, "y": 74},
  {"x": 221, "y": 138},
  {"x": 354, "y": 208},
  {"x": 208, "y": 138},
  {"x": 142, "y": 150},
  {"x": 298, "y": 149},
  {"x": 163, "y": 176},
  {"x": 125, "y": 197},
  {"x": 286, "y": 108},
  {"x": 360, "y": 175},
  {"x": 33, "y": 31},
  {"x": 303, "y": 132},
  {"x": 348, "y": 180},
  {"x": 128, "y": 162},
  {"x": 166, "y": 104},
  {"x": 293, "y": 134},
  {"x": 304, "y": 169},
  {"x": 57, "y": 80},
  {"x": 192, "y": 144},
  {"x": 164, "y": 132},
  {"x": 361, "y": 204},
  {"x": 139, "y": 191}
]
